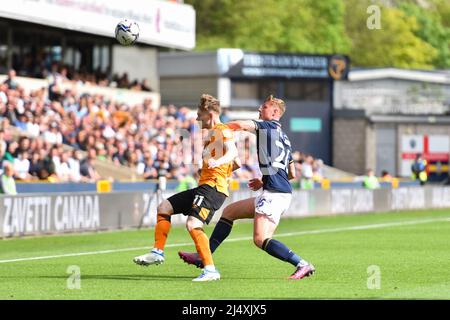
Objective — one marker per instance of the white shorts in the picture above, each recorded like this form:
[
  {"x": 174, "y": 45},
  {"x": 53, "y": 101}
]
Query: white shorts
[{"x": 272, "y": 204}]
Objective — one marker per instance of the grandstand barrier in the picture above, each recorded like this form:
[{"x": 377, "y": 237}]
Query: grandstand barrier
[
  {"x": 41, "y": 214},
  {"x": 129, "y": 97},
  {"x": 146, "y": 185}
]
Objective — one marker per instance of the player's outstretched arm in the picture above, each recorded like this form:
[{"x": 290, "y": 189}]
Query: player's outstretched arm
[
  {"x": 245, "y": 125},
  {"x": 291, "y": 172},
  {"x": 231, "y": 153}
]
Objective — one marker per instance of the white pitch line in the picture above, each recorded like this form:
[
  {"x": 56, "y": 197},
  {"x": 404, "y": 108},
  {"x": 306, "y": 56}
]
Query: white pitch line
[{"x": 290, "y": 234}]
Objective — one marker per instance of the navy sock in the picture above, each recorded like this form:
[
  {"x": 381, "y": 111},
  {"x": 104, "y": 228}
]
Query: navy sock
[
  {"x": 279, "y": 250},
  {"x": 220, "y": 233}
]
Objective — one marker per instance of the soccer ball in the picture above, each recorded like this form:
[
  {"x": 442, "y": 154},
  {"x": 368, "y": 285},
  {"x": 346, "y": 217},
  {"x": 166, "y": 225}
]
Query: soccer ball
[{"x": 127, "y": 32}]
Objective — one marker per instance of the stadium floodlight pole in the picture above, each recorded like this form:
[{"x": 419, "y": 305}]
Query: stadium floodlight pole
[
  {"x": 162, "y": 181},
  {"x": 159, "y": 188}
]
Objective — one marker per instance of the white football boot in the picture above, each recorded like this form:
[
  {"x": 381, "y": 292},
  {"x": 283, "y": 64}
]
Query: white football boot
[
  {"x": 208, "y": 275},
  {"x": 154, "y": 257}
]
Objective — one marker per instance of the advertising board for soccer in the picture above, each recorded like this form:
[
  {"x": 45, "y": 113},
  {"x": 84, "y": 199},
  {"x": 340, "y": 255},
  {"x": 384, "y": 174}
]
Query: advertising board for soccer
[{"x": 40, "y": 214}]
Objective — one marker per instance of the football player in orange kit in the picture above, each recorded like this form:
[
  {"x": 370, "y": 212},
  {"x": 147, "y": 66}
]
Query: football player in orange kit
[{"x": 200, "y": 203}]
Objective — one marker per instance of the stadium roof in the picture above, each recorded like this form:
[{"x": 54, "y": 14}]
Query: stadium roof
[{"x": 164, "y": 24}]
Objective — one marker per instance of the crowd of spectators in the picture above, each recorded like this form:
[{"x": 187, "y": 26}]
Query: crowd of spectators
[
  {"x": 140, "y": 137},
  {"x": 63, "y": 133}
]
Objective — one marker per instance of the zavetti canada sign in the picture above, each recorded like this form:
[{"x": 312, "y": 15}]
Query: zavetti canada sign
[
  {"x": 45, "y": 214},
  {"x": 59, "y": 213}
]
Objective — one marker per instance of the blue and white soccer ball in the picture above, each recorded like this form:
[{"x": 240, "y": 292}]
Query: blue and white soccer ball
[{"x": 127, "y": 32}]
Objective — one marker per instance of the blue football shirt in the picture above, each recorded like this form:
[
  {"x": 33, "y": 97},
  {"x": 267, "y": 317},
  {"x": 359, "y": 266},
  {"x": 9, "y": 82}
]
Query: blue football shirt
[{"x": 274, "y": 155}]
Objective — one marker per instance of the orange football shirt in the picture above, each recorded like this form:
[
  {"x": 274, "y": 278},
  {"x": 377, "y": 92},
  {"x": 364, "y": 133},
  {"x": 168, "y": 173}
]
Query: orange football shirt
[{"x": 215, "y": 148}]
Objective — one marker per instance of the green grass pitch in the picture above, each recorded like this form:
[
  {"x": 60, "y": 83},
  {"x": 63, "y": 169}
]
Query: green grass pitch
[{"x": 411, "y": 251}]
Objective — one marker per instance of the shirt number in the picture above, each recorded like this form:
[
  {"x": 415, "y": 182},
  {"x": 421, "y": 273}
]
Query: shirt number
[
  {"x": 282, "y": 159},
  {"x": 198, "y": 200}
]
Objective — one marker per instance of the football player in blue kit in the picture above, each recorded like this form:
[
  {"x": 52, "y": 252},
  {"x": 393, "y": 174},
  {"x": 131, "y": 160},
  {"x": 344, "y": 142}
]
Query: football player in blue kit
[{"x": 277, "y": 167}]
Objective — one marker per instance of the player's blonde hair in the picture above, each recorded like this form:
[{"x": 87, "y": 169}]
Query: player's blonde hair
[
  {"x": 277, "y": 102},
  {"x": 209, "y": 103}
]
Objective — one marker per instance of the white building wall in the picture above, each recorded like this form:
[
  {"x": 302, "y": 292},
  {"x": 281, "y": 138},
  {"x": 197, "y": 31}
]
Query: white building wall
[
  {"x": 138, "y": 62},
  {"x": 187, "y": 91},
  {"x": 395, "y": 96}
]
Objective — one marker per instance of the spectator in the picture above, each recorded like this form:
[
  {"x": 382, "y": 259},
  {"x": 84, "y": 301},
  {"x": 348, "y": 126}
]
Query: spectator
[
  {"x": 22, "y": 166},
  {"x": 418, "y": 169},
  {"x": 370, "y": 180},
  {"x": 123, "y": 81},
  {"x": 7, "y": 183},
  {"x": 162, "y": 164},
  {"x": 11, "y": 151},
  {"x": 2, "y": 154},
  {"x": 53, "y": 135},
  {"x": 87, "y": 169},
  {"x": 186, "y": 181},
  {"x": 120, "y": 157},
  {"x": 62, "y": 170},
  {"x": 386, "y": 176},
  {"x": 3, "y": 144},
  {"x": 224, "y": 117},
  {"x": 54, "y": 157},
  {"x": 21, "y": 122},
  {"x": 306, "y": 178},
  {"x": 11, "y": 80},
  {"x": 24, "y": 144},
  {"x": 32, "y": 127},
  {"x": 74, "y": 165},
  {"x": 149, "y": 171},
  {"x": 318, "y": 170},
  {"x": 145, "y": 85},
  {"x": 36, "y": 165},
  {"x": 71, "y": 140}
]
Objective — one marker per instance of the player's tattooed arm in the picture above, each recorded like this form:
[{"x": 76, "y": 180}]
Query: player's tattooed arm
[
  {"x": 231, "y": 153},
  {"x": 245, "y": 125},
  {"x": 291, "y": 172}
]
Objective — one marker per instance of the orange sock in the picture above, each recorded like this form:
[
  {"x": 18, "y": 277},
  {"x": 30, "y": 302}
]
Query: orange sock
[
  {"x": 202, "y": 244},
  {"x": 161, "y": 230}
]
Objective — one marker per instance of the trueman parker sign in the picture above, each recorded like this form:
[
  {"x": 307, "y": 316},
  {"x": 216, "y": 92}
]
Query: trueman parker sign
[{"x": 271, "y": 65}]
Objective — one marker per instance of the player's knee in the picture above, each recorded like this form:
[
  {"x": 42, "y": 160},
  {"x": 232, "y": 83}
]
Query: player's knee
[
  {"x": 189, "y": 225},
  {"x": 193, "y": 223},
  {"x": 165, "y": 208},
  {"x": 228, "y": 213}
]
